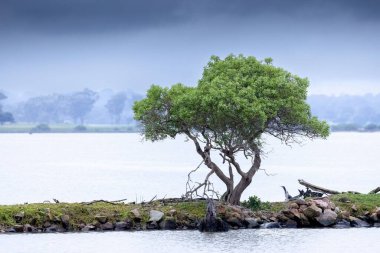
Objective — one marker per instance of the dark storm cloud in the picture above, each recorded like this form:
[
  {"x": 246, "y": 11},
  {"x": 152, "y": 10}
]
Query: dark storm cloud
[{"x": 110, "y": 15}]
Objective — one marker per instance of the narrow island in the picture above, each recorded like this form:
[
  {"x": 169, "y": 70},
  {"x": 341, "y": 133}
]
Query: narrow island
[{"x": 337, "y": 211}]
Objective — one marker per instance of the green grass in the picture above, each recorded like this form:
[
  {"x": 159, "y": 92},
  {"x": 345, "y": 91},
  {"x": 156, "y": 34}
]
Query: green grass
[
  {"x": 38, "y": 214},
  {"x": 363, "y": 202}
]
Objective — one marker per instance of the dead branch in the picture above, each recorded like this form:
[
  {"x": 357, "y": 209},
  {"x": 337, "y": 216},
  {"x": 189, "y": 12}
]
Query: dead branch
[
  {"x": 374, "y": 191},
  {"x": 317, "y": 188},
  {"x": 207, "y": 186},
  {"x": 268, "y": 174},
  {"x": 114, "y": 202},
  {"x": 152, "y": 199}
]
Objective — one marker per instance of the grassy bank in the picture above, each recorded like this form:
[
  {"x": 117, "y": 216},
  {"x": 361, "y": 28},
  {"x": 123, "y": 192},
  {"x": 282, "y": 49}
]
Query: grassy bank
[
  {"x": 363, "y": 203},
  {"x": 38, "y": 214},
  {"x": 186, "y": 215}
]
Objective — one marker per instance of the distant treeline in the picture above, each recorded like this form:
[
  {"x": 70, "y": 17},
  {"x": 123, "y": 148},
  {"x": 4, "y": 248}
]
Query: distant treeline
[
  {"x": 343, "y": 113},
  {"x": 348, "y": 112},
  {"x": 82, "y": 107}
]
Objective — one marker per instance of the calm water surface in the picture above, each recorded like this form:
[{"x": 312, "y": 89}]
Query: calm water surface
[
  {"x": 83, "y": 167},
  {"x": 271, "y": 240}
]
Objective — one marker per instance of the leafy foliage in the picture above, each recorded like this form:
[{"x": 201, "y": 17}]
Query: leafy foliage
[
  {"x": 236, "y": 102},
  {"x": 254, "y": 203}
]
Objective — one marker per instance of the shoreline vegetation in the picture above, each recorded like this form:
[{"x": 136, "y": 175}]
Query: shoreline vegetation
[
  {"x": 104, "y": 128},
  {"x": 336, "y": 211}
]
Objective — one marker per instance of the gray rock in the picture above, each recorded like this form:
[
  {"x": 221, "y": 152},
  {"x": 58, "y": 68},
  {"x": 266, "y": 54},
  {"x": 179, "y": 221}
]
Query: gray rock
[
  {"x": 152, "y": 225},
  {"x": 300, "y": 202},
  {"x": 101, "y": 218},
  {"x": 135, "y": 214},
  {"x": 376, "y": 225},
  {"x": 168, "y": 224},
  {"x": 47, "y": 224},
  {"x": 107, "y": 226},
  {"x": 358, "y": 223},
  {"x": 19, "y": 216},
  {"x": 18, "y": 228},
  {"x": 65, "y": 219},
  {"x": 122, "y": 225},
  {"x": 10, "y": 230},
  {"x": 312, "y": 212},
  {"x": 271, "y": 225},
  {"x": 88, "y": 228},
  {"x": 234, "y": 222},
  {"x": 290, "y": 224},
  {"x": 327, "y": 218},
  {"x": 30, "y": 229},
  {"x": 51, "y": 229},
  {"x": 173, "y": 212},
  {"x": 342, "y": 224},
  {"x": 321, "y": 203},
  {"x": 304, "y": 221},
  {"x": 251, "y": 223},
  {"x": 155, "y": 216},
  {"x": 373, "y": 218}
]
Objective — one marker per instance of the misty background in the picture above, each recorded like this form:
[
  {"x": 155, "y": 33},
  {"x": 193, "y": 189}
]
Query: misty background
[{"x": 56, "y": 54}]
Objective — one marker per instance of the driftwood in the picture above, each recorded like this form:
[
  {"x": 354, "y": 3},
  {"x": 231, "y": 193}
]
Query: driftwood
[
  {"x": 211, "y": 223},
  {"x": 374, "y": 191},
  {"x": 114, "y": 202},
  {"x": 317, "y": 188},
  {"x": 329, "y": 191}
]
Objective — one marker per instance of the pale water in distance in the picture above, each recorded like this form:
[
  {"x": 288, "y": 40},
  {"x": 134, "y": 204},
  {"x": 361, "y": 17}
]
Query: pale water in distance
[{"x": 83, "y": 167}]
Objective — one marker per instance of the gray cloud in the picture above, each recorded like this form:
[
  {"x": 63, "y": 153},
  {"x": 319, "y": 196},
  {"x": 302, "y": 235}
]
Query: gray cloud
[
  {"x": 60, "y": 45},
  {"x": 56, "y": 16}
]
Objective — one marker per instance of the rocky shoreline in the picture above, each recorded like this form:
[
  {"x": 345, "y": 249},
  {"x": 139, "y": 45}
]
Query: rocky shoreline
[{"x": 52, "y": 218}]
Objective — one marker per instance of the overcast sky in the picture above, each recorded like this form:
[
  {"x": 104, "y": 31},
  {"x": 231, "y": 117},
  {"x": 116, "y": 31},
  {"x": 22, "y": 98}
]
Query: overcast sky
[{"x": 57, "y": 46}]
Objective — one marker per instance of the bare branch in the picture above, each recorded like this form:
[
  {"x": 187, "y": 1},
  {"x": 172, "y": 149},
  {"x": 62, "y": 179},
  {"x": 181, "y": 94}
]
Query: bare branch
[{"x": 268, "y": 174}]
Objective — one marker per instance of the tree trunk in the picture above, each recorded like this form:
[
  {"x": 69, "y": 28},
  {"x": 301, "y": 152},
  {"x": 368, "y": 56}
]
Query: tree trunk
[{"x": 235, "y": 195}]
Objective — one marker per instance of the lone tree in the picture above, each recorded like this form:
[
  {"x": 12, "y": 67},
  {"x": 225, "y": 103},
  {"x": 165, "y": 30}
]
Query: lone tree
[{"x": 236, "y": 103}]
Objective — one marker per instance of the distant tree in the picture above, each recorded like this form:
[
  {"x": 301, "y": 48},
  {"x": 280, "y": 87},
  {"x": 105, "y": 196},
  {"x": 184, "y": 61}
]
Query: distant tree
[
  {"x": 5, "y": 116},
  {"x": 236, "y": 103},
  {"x": 80, "y": 104},
  {"x": 45, "y": 109},
  {"x": 115, "y": 105}
]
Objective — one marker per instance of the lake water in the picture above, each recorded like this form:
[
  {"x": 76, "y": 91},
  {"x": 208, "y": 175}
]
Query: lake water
[
  {"x": 84, "y": 167},
  {"x": 269, "y": 240}
]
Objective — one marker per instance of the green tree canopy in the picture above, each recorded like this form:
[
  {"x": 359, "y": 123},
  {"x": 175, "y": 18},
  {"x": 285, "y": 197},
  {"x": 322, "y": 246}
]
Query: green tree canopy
[{"x": 237, "y": 101}]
